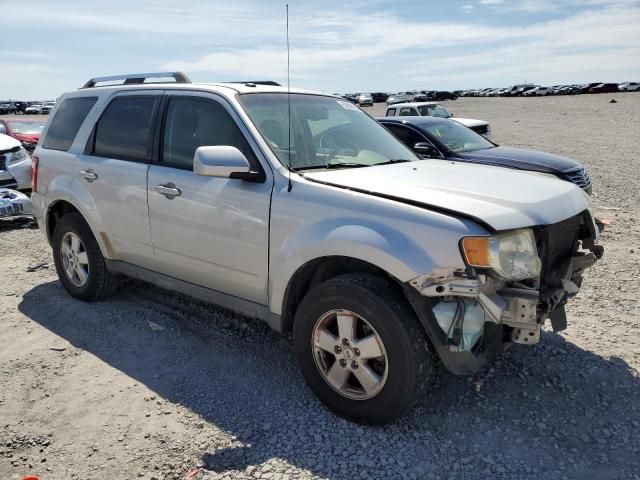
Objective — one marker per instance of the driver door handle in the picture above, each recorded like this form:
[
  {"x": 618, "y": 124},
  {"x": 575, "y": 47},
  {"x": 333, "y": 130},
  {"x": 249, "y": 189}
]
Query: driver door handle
[
  {"x": 89, "y": 175},
  {"x": 169, "y": 190}
]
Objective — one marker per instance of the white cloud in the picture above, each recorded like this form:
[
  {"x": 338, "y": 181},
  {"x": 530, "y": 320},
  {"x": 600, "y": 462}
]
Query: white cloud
[{"x": 467, "y": 8}]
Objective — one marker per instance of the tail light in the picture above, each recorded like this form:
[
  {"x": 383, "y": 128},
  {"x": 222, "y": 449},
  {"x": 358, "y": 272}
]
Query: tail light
[{"x": 34, "y": 174}]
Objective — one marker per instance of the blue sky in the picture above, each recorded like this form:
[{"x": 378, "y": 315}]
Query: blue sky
[{"x": 52, "y": 46}]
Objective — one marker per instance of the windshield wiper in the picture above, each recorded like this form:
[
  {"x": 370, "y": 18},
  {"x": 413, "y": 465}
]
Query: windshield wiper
[
  {"x": 349, "y": 165},
  {"x": 331, "y": 165},
  {"x": 395, "y": 160}
]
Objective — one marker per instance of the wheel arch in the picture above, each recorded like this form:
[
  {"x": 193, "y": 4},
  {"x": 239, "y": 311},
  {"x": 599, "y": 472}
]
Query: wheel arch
[
  {"x": 59, "y": 208},
  {"x": 316, "y": 271}
]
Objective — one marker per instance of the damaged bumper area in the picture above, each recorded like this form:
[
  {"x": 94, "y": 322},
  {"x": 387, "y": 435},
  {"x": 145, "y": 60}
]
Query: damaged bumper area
[
  {"x": 14, "y": 203},
  {"x": 472, "y": 314}
]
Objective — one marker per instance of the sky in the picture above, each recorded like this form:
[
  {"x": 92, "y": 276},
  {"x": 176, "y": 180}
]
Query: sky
[{"x": 52, "y": 46}]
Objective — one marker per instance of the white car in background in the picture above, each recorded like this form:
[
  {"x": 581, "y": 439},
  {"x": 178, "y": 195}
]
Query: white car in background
[
  {"x": 33, "y": 109},
  {"x": 15, "y": 164},
  {"x": 629, "y": 87},
  {"x": 47, "y": 107},
  {"x": 538, "y": 91},
  {"x": 365, "y": 99},
  {"x": 432, "y": 109}
]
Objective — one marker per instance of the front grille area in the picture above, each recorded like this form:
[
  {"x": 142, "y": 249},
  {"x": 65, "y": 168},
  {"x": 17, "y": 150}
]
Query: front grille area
[
  {"x": 579, "y": 176},
  {"x": 556, "y": 245},
  {"x": 481, "y": 129}
]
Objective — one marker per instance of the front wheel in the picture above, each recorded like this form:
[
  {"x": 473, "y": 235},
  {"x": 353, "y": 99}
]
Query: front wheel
[{"x": 361, "y": 349}]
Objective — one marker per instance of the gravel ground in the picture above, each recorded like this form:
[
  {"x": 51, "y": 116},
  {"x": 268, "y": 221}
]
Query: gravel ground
[{"x": 153, "y": 385}]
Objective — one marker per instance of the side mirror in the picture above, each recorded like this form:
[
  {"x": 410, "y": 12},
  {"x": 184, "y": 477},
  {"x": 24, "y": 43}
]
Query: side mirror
[
  {"x": 222, "y": 161},
  {"x": 452, "y": 115},
  {"x": 426, "y": 150}
]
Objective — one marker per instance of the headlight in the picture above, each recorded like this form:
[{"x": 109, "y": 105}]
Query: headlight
[
  {"x": 18, "y": 156},
  {"x": 511, "y": 255}
]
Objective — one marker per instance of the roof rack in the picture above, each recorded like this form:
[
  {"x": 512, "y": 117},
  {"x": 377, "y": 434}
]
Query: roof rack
[
  {"x": 258, "y": 82},
  {"x": 137, "y": 78}
]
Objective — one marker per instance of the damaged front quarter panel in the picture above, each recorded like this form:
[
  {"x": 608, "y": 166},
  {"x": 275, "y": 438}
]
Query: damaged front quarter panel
[{"x": 470, "y": 316}]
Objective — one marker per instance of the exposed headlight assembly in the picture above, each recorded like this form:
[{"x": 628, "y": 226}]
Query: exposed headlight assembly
[
  {"x": 18, "y": 156},
  {"x": 511, "y": 255}
]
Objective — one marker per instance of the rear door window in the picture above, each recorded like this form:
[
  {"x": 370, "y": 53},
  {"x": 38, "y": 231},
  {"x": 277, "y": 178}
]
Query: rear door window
[
  {"x": 405, "y": 112},
  {"x": 124, "y": 130},
  {"x": 66, "y": 122}
]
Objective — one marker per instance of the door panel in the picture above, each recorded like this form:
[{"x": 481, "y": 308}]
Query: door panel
[
  {"x": 215, "y": 233},
  {"x": 115, "y": 189}
]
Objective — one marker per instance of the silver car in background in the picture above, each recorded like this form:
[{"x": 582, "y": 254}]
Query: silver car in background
[{"x": 15, "y": 164}]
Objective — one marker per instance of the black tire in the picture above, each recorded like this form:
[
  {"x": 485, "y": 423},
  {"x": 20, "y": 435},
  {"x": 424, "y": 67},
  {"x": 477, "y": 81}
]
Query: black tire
[
  {"x": 375, "y": 299},
  {"x": 100, "y": 283}
]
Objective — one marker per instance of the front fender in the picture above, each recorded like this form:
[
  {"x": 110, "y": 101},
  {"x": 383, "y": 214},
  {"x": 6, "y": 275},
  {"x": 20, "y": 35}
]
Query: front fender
[{"x": 366, "y": 240}]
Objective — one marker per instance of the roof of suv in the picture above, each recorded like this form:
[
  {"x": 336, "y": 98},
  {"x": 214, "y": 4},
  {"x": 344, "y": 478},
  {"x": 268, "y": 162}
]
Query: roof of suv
[{"x": 214, "y": 86}]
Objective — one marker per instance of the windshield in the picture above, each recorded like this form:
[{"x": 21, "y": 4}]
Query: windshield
[
  {"x": 325, "y": 132},
  {"x": 26, "y": 128},
  {"x": 434, "y": 111},
  {"x": 456, "y": 137}
]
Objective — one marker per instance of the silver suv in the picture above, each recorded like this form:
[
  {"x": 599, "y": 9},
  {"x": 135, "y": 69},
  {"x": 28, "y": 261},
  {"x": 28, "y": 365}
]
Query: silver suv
[{"x": 299, "y": 209}]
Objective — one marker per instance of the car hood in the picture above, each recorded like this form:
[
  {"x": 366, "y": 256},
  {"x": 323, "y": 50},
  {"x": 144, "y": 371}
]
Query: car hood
[
  {"x": 498, "y": 197},
  {"x": 469, "y": 122},
  {"x": 7, "y": 142},
  {"x": 29, "y": 138},
  {"x": 521, "y": 158}
]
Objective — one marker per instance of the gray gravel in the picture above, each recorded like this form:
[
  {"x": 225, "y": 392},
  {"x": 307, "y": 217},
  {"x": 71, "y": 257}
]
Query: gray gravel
[{"x": 152, "y": 385}]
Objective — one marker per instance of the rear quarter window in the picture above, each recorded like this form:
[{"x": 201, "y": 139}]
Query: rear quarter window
[
  {"x": 391, "y": 112},
  {"x": 66, "y": 122}
]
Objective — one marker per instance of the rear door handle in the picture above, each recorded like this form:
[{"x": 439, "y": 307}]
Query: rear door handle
[
  {"x": 89, "y": 175},
  {"x": 169, "y": 190}
]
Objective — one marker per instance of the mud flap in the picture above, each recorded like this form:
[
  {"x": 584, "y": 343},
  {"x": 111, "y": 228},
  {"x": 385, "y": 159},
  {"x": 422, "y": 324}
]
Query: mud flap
[{"x": 558, "y": 319}]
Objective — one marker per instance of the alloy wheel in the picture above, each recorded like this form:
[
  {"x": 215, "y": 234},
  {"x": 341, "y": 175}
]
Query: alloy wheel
[
  {"x": 349, "y": 354},
  {"x": 75, "y": 262}
]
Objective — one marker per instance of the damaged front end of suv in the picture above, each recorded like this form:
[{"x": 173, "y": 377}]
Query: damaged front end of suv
[{"x": 513, "y": 282}]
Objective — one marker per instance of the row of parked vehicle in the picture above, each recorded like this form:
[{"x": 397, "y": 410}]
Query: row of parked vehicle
[
  {"x": 380, "y": 245},
  {"x": 27, "y": 108},
  {"x": 532, "y": 90},
  {"x": 368, "y": 99}
]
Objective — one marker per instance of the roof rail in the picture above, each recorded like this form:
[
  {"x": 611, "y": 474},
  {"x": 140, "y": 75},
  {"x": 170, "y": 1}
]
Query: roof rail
[
  {"x": 137, "y": 78},
  {"x": 258, "y": 82}
]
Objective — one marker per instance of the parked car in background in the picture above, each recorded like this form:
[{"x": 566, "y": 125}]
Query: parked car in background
[
  {"x": 537, "y": 92},
  {"x": 15, "y": 164},
  {"x": 442, "y": 95},
  {"x": 604, "y": 88},
  {"x": 586, "y": 87},
  {"x": 26, "y": 132},
  {"x": 365, "y": 100},
  {"x": 7, "y": 108},
  {"x": 375, "y": 261},
  {"x": 396, "y": 98},
  {"x": 33, "y": 109},
  {"x": 431, "y": 109},
  {"x": 448, "y": 140},
  {"x": 516, "y": 90},
  {"x": 47, "y": 107},
  {"x": 629, "y": 87},
  {"x": 380, "y": 97}
]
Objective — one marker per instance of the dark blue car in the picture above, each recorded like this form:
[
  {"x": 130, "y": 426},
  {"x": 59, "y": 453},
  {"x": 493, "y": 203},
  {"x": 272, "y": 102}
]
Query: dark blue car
[{"x": 446, "y": 139}]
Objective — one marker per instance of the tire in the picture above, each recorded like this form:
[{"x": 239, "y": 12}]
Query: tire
[
  {"x": 99, "y": 282},
  {"x": 405, "y": 369}
]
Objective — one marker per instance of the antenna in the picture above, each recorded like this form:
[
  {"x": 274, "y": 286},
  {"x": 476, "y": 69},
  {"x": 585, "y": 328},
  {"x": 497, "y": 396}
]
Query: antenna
[{"x": 289, "y": 186}]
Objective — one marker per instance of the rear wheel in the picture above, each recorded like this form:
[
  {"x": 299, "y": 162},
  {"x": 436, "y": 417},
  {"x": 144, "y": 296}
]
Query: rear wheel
[
  {"x": 361, "y": 349},
  {"x": 79, "y": 261}
]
